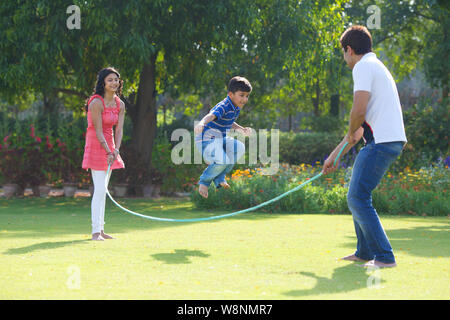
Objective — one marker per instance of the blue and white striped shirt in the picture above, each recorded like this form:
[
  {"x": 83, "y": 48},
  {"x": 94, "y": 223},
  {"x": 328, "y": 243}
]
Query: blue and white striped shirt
[{"x": 226, "y": 114}]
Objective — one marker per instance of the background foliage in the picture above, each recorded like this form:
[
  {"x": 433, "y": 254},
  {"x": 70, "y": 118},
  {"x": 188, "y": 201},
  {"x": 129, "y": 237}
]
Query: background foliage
[{"x": 176, "y": 59}]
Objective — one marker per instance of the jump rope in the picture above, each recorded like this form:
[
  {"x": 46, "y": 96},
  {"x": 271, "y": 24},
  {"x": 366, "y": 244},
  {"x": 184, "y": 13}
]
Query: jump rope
[{"x": 223, "y": 215}]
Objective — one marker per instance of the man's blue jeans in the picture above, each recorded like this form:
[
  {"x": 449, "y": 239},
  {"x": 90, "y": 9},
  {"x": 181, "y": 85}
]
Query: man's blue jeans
[
  {"x": 221, "y": 154},
  {"x": 372, "y": 162}
]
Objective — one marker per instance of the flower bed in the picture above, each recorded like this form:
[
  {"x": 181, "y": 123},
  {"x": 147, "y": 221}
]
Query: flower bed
[
  {"x": 422, "y": 192},
  {"x": 29, "y": 159}
]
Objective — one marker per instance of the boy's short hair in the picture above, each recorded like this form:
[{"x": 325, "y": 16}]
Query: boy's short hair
[
  {"x": 239, "y": 84},
  {"x": 358, "y": 38}
]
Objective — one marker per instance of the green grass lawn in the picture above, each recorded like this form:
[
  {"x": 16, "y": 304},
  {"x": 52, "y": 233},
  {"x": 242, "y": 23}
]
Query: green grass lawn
[{"x": 46, "y": 253}]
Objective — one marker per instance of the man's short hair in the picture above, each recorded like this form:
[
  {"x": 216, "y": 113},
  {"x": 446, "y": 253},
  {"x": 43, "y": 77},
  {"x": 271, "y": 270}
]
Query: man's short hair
[
  {"x": 239, "y": 84},
  {"x": 358, "y": 38}
]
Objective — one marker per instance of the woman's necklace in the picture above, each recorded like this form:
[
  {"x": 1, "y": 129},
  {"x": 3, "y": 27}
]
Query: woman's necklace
[{"x": 110, "y": 104}]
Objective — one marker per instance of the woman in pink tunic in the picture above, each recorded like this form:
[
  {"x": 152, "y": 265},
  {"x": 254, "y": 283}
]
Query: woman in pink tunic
[{"x": 104, "y": 111}]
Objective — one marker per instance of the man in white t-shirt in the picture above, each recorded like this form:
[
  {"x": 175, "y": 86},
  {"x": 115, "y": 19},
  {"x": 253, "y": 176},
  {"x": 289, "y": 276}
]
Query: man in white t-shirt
[{"x": 376, "y": 116}]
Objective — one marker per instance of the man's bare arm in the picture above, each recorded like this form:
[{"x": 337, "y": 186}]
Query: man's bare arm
[{"x": 358, "y": 114}]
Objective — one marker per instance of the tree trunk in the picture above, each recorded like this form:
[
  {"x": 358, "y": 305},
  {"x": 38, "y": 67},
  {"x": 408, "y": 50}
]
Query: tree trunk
[
  {"x": 316, "y": 100},
  {"x": 334, "y": 105},
  {"x": 143, "y": 115},
  {"x": 48, "y": 113},
  {"x": 48, "y": 104},
  {"x": 445, "y": 92}
]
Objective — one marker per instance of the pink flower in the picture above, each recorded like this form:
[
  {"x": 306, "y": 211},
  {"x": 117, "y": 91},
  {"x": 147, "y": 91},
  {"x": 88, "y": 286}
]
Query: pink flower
[
  {"x": 6, "y": 139},
  {"x": 38, "y": 139},
  {"x": 32, "y": 131},
  {"x": 59, "y": 142}
]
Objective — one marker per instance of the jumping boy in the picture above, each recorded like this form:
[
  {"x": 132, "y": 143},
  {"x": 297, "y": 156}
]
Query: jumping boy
[{"x": 220, "y": 151}]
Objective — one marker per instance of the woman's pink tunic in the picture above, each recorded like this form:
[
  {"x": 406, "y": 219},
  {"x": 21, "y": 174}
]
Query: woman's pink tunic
[{"x": 95, "y": 156}]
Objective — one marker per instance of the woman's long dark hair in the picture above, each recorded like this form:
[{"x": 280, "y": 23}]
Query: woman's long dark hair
[{"x": 100, "y": 85}]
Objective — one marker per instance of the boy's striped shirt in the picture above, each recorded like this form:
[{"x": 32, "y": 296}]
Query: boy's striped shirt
[{"x": 226, "y": 114}]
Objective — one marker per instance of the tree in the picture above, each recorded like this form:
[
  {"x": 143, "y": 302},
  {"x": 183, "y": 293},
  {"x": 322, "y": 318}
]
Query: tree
[
  {"x": 412, "y": 34},
  {"x": 291, "y": 54},
  {"x": 162, "y": 46},
  {"x": 40, "y": 54}
]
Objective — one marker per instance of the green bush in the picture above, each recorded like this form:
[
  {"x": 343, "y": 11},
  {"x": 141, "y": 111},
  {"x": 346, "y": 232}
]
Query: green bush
[
  {"x": 173, "y": 177},
  {"x": 423, "y": 192},
  {"x": 307, "y": 147},
  {"x": 427, "y": 133},
  {"x": 29, "y": 158},
  {"x": 327, "y": 124}
]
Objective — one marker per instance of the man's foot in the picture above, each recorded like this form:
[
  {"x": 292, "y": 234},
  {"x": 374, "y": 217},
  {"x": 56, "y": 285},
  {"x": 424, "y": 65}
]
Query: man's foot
[
  {"x": 105, "y": 236},
  {"x": 225, "y": 185},
  {"x": 97, "y": 237},
  {"x": 203, "y": 190},
  {"x": 352, "y": 257},
  {"x": 378, "y": 264}
]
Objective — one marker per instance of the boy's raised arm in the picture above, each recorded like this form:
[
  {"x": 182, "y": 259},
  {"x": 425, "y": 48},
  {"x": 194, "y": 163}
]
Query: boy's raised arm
[
  {"x": 236, "y": 126},
  {"x": 246, "y": 131}
]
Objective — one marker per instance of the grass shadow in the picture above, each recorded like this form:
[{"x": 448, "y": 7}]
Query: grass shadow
[
  {"x": 344, "y": 279},
  {"x": 43, "y": 246},
  {"x": 34, "y": 217},
  {"x": 424, "y": 241},
  {"x": 179, "y": 256}
]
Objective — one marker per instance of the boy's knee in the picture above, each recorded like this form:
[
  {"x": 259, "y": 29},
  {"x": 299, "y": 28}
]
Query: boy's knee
[{"x": 240, "y": 148}]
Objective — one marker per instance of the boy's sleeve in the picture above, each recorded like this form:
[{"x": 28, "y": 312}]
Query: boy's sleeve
[
  {"x": 362, "y": 77},
  {"x": 218, "y": 111}
]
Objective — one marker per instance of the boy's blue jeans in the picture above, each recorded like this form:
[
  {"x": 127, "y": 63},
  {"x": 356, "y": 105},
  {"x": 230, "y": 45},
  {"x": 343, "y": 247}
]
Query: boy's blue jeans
[
  {"x": 221, "y": 154},
  {"x": 372, "y": 162}
]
